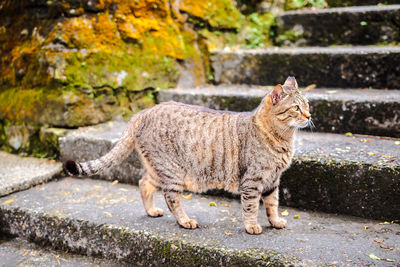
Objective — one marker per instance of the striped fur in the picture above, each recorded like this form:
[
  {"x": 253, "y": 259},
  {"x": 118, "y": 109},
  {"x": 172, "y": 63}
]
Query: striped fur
[{"x": 192, "y": 148}]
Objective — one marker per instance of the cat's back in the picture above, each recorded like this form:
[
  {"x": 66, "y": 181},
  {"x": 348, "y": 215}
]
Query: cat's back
[
  {"x": 177, "y": 109},
  {"x": 183, "y": 116}
]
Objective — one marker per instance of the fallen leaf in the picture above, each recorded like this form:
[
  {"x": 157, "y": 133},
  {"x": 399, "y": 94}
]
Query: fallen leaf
[
  {"x": 371, "y": 153},
  {"x": 26, "y": 253},
  {"x": 365, "y": 140},
  {"x": 228, "y": 234},
  {"x": 226, "y": 205},
  {"x": 341, "y": 150},
  {"x": 187, "y": 196},
  {"x": 382, "y": 223},
  {"x": 67, "y": 193},
  {"x": 224, "y": 211},
  {"x": 296, "y": 216},
  {"x": 388, "y": 247},
  {"x": 366, "y": 227},
  {"x": 212, "y": 204},
  {"x": 233, "y": 220},
  {"x": 348, "y": 134},
  {"x": 96, "y": 186},
  {"x": 8, "y": 201},
  {"x": 331, "y": 91},
  {"x": 310, "y": 87},
  {"x": 380, "y": 242},
  {"x": 285, "y": 213},
  {"x": 107, "y": 214},
  {"x": 386, "y": 156},
  {"x": 374, "y": 257},
  {"x": 114, "y": 182}
]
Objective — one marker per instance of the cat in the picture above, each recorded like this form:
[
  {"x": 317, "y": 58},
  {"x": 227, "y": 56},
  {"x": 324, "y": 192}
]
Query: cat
[{"x": 187, "y": 147}]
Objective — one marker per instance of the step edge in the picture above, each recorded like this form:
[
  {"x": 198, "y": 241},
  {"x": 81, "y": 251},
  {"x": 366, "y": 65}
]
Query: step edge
[{"x": 30, "y": 216}]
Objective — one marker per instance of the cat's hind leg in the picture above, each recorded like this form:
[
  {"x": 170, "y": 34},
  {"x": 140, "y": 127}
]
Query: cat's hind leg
[
  {"x": 147, "y": 188},
  {"x": 173, "y": 199}
]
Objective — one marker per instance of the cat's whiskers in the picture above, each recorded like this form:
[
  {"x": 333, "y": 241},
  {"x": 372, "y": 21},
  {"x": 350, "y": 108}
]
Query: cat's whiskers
[{"x": 311, "y": 125}]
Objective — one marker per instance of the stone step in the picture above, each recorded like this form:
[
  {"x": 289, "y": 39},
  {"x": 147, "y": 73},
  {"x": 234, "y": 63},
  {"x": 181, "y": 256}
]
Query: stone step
[
  {"x": 361, "y": 111},
  {"x": 107, "y": 220},
  {"x": 362, "y": 25},
  {"x": 340, "y": 67},
  {"x": 20, "y": 173},
  {"x": 330, "y": 172},
  {"x": 19, "y": 252},
  {"x": 341, "y": 3}
]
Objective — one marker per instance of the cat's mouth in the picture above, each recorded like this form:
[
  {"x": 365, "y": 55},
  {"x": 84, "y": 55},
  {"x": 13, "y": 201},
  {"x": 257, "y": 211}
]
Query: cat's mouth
[{"x": 307, "y": 123}]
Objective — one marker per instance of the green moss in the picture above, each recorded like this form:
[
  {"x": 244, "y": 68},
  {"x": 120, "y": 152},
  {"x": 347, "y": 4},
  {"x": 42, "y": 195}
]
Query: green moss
[
  {"x": 289, "y": 35},
  {"x": 297, "y": 4},
  {"x": 30, "y": 139},
  {"x": 133, "y": 70},
  {"x": 25, "y": 105},
  {"x": 254, "y": 33},
  {"x": 217, "y": 13}
]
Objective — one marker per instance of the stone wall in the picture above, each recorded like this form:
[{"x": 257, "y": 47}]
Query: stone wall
[{"x": 73, "y": 63}]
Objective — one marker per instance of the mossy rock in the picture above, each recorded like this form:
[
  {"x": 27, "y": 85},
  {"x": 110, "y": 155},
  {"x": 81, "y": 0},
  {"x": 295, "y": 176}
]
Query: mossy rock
[{"x": 217, "y": 13}]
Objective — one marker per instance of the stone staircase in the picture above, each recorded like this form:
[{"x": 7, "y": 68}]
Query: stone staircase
[{"x": 349, "y": 167}]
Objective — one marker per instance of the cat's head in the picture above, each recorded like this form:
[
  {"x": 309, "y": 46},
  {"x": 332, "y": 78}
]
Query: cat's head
[{"x": 287, "y": 106}]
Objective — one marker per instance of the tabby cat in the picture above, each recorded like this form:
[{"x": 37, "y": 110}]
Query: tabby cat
[{"x": 185, "y": 147}]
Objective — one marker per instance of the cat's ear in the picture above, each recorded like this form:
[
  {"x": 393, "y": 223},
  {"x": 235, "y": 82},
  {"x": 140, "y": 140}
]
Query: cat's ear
[
  {"x": 277, "y": 94},
  {"x": 291, "y": 83}
]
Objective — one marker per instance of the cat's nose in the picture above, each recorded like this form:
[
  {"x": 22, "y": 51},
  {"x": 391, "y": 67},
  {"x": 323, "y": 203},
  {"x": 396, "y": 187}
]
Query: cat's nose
[{"x": 307, "y": 115}]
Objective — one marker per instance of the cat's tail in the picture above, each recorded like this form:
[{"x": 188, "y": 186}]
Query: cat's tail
[{"x": 116, "y": 155}]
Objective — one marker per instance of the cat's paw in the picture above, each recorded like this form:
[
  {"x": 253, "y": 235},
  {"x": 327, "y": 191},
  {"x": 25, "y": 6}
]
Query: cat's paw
[
  {"x": 278, "y": 222},
  {"x": 190, "y": 224},
  {"x": 156, "y": 212},
  {"x": 253, "y": 229}
]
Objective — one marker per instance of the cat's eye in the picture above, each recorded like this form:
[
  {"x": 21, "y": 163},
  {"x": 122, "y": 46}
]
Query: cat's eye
[{"x": 296, "y": 108}]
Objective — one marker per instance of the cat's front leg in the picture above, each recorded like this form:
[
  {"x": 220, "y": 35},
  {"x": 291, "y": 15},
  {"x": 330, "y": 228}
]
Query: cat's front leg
[
  {"x": 271, "y": 203},
  {"x": 250, "y": 198}
]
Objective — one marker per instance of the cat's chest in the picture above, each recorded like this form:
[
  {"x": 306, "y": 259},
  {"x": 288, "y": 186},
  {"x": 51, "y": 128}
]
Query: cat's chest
[{"x": 284, "y": 159}]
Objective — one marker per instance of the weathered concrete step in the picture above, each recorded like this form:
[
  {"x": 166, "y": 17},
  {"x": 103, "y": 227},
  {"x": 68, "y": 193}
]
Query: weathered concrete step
[
  {"x": 341, "y": 3},
  {"x": 363, "y": 25},
  {"x": 19, "y": 173},
  {"x": 99, "y": 218},
  {"x": 19, "y": 252},
  {"x": 334, "y": 173},
  {"x": 338, "y": 67},
  {"x": 362, "y": 111}
]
